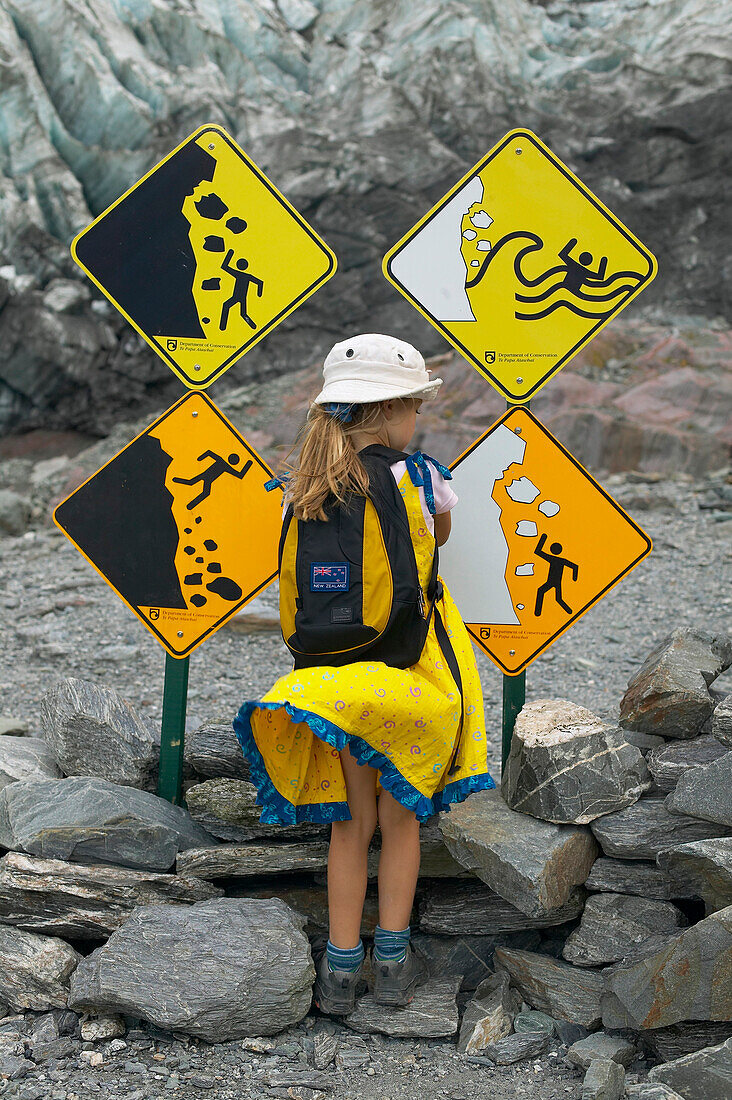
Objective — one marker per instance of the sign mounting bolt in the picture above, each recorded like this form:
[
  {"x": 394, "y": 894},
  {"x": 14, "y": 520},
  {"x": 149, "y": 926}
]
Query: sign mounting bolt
[
  {"x": 518, "y": 430},
  {"x": 519, "y": 380},
  {"x": 211, "y": 145},
  {"x": 512, "y": 652},
  {"x": 196, "y": 366},
  {"x": 519, "y": 152},
  {"x": 180, "y": 633},
  {"x": 194, "y": 414}
]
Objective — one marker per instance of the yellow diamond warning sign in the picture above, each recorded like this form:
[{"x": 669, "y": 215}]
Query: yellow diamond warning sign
[
  {"x": 519, "y": 265},
  {"x": 535, "y": 542},
  {"x": 180, "y": 524},
  {"x": 203, "y": 256}
]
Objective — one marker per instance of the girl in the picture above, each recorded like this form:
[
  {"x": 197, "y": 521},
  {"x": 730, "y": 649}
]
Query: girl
[{"x": 367, "y": 743}]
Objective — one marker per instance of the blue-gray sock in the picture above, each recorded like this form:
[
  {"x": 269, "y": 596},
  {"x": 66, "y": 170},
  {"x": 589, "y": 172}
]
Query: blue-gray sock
[
  {"x": 349, "y": 958},
  {"x": 390, "y": 945}
]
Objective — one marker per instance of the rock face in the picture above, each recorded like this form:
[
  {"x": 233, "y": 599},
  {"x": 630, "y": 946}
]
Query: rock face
[
  {"x": 645, "y": 880},
  {"x": 85, "y": 902},
  {"x": 93, "y": 821},
  {"x": 26, "y": 758},
  {"x": 647, "y": 828},
  {"x": 533, "y": 864},
  {"x": 705, "y": 792},
  {"x": 36, "y": 970},
  {"x": 613, "y": 925},
  {"x": 351, "y": 134},
  {"x": 676, "y": 1040},
  {"x": 474, "y": 910},
  {"x": 563, "y": 991},
  {"x": 93, "y": 731},
  {"x": 431, "y": 1014},
  {"x": 670, "y": 692},
  {"x": 227, "y": 809},
  {"x": 705, "y": 1075},
  {"x": 688, "y": 979},
  {"x": 722, "y": 722},
  {"x": 248, "y": 860},
  {"x": 567, "y": 766},
  {"x": 489, "y": 1015},
  {"x": 219, "y": 970},
  {"x": 706, "y": 866},
  {"x": 669, "y": 763},
  {"x": 213, "y": 751}
]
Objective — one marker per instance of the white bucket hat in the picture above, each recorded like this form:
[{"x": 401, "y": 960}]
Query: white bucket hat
[{"x": 372, "y": 367}]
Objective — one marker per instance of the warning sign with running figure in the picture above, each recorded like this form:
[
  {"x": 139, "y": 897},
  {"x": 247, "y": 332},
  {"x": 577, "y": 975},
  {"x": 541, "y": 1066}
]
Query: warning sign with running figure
[
  {"x": 535, "y": 542},
  {"x": 204, "y": 256},
  {"x": 519, "y": 265},
  {"x": 179, "y": 523}
]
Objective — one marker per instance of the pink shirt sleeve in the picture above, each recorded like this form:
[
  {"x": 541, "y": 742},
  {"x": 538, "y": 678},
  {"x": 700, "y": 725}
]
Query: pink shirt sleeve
[{"x": 445, "y": 496}]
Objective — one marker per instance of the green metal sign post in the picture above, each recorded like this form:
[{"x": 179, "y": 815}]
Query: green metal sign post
[
  {"x": 173, "y": 728},
  {"x": 514, "y": 687}
]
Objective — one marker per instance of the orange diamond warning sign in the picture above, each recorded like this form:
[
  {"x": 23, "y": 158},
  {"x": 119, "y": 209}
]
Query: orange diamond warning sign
[
  {"x": 180, "y": 524},
  {"x": 535, "y": 542}
]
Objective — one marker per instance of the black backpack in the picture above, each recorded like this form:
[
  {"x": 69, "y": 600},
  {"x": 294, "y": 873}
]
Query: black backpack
[{"x": 349, "y": 586}]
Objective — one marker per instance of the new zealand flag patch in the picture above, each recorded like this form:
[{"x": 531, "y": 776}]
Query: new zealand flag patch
[{"x": 329, "y": 576}]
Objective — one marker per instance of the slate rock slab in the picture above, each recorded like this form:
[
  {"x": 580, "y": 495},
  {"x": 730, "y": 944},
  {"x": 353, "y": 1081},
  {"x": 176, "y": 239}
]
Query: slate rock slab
[
  {"x": 706, "y": 866},
  {"x": 669, "y": 763},
  {"x": 213, "y": 751},
  {"x": 604, "y": 1080},
  {"x": 93, "y": 731},
  {"x": 669, "y": 694},
  {"x": 721, "y": 725},
  {"x": 91, "y": 820},
  {"x": 517, "y": 1048},
  {"x": 676, "y": 1040},
  {"x": 705, "y": 792},
  {"x": 562, "y": 991},
  {"x": 83, "y": 901},
  {"x": 704, "y": 1075},
  {"x": 690, "y": 978},
  {"x": 567, "y": 766},
  {"x": 489, "y": 1015},
  {"x": 467, "y": 908},
  {"x": 432, "y": 1014},
  {"x": 220, "y": 969},
  {"x": 252, "y": 859},
  {"x": 35, "y": 970},
  {"x": 638, "y": 877},
  {"x": 26, "y": 758},
  {"x": 647, "y": 828},
  {"x": 227, "y": 808},
  {"x": 613, "y": 925},
  {"x": 466, "y": 956},
  {"x": 532, "y": 864},
  {"x": 651, "y": 1090},
  {"x": 643, "y": 741},
  {"x": 601, "y": 1045}
]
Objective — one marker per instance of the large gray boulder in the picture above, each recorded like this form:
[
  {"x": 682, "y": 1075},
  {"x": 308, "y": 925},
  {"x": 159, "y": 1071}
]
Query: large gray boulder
[
  {"x": 705, "y": 792},
  {"x": 213, "y": 751},
  {"x": 563, "y": 991},
  {"x": 670, "y": 692},
  {"x": 472, "y": 909},
  {"x": 568, "y": 766},
  {"x": 93, "y": 731},
  {"x": 721, "y": 726},
  {"x": 533, "y": 864},
  {"x": 94, "y": 821},
  {"x": 706, "y": 867},
  {"x": 35, "y": 970},
  {"x": 227, "y": 808},
  {"x": 647, "y": 828},
  {"x": 83, "y": 901},
  {"x": 638, "y": 877},
  {"x": 26, "y": 758},
  {"x": 613, "y": 925},
  {"x": 704, "y": 1075},
  {"x": 668, "y": 1043},
  {"x": 690, "y": 978},
  {"x": 669, "y": 763},
  {"x": 601, "y": 1045},
  {"x": 220, "y": 969}
]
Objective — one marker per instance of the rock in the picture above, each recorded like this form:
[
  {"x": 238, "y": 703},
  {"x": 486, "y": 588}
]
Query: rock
[
  {"x": 706, "y": 867},
  {"x": 85, "y": 901},
  {"x": 352, "y": 1053},
  {"x": 93, "y": 731},
  {"x": 431, "y": 1014},
  {"x": 613, "y": 925},
  {"x": 721, "y": 727},
  {"x": 36, "y": 970},
  {"x": 220, "y": 969},
  {"x": 213, "y": 751},
  {"x": 669, "y": 763},
  {"x": 306, "y": 898},
  {"x": 466, "y": 909},
  {"x": 15, "y": 513},
  {"x": 435, "y": 859},
  {"x": 13, "y": 726},
  {"x": 646, "y": 880},
  {"x": 93, "y": 821},
  {"x": 651, "y": 1090},
  {"x": 325, "y": 1046},
  {"x": 647, "y": 828},
  {"x": 643, "y": 741},
  {"x": 532, "y": 864},
  {"x": 604, "y": 1080},
  {"x": 568, "y": 767},
  {"x": 690, "y": 978},
  {"x": 670, "y": 693},
  {"x": 227, "y": 808},
  {"x": 517, "y": 1048},
  {"x": 669, "y": 1043},
  {"x": 603, "y": 1046},
  {"x": 531, "y": 1020},
  {"x": 26, "y": 758},
  {"x": 489, "y": 1016},
  {"x": 705, "y": 792},
  {"x": 97, "y": 1028},
  {"x": 704, "y": 1075},
  {"x": 563, "y": 991},
  {"x": 469, "y": 958},
  {"x": 249, "y": 860}
]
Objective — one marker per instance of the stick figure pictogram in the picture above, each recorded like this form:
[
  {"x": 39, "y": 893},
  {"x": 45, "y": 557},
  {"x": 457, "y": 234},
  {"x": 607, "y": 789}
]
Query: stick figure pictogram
[
  {"x": 557, "y": 565},
  {"x": 207, "y": 477},
  {"x": 242, "y": 281}
]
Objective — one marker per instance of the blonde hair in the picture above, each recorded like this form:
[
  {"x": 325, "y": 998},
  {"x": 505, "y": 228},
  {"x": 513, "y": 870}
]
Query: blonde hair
[{"x": 328, "y": 464}]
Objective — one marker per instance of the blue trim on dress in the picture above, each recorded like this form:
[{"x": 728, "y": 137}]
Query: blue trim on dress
[{"x": 278, "y": 810}]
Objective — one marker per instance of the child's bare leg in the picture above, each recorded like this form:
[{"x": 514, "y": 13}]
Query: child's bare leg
[
  {"x": 398, "y": 862},
  {"x": 348, "y": 854}
]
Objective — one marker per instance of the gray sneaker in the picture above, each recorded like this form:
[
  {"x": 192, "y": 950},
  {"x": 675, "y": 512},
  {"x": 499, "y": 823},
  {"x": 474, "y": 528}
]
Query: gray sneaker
[
  {"x": 395, "y": 982},
  {"x": 334, "y": 991}
]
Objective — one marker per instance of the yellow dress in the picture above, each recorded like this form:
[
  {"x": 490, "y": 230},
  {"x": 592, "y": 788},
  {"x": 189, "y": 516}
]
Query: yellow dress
[{"x": 428, "y": 745}]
